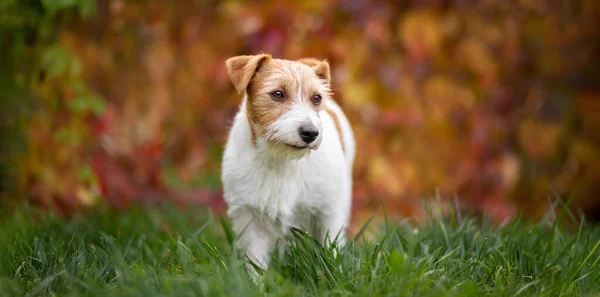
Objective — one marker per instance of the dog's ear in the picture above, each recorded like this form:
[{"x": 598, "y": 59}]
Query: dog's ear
[
  {"x": 322, "y": 71},
  {"x": 242, "y": 68},
  {"x": 321, "y": 68}
]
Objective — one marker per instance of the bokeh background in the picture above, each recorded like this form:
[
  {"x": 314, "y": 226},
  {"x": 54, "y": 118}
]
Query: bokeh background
[{"x": 493, "y": 105}]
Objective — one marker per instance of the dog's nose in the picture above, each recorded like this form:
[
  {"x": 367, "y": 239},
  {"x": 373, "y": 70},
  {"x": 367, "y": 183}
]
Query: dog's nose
[{"x": 308, "y": 133}]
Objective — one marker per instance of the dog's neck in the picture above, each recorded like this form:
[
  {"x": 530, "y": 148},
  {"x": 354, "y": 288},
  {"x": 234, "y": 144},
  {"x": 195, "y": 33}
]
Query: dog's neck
[{"x": 274, "y": 161}]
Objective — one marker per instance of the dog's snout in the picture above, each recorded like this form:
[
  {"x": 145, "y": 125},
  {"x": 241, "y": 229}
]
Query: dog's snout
[{"x": 308, "y": 133}]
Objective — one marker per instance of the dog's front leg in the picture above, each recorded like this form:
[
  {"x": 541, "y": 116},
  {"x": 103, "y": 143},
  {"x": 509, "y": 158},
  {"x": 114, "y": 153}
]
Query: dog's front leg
[
  {"x": 255, "y": 238},
  {"x": 332, "y": 228}
]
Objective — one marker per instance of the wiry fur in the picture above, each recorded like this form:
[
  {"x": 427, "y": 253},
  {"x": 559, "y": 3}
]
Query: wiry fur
[{"x": 270, "y": 186}]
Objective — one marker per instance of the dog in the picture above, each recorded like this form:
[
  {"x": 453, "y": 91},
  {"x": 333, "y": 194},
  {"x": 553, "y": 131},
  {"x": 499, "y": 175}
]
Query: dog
[{"x": 288, "y": 158}]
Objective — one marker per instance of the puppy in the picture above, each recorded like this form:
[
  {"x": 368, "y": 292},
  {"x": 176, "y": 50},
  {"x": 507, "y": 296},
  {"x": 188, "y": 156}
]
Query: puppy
[{"x": 288, "y": 159}]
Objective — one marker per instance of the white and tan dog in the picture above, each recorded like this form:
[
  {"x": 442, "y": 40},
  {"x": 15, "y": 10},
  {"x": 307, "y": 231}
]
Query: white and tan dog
[{"x": 288, "y": 159}]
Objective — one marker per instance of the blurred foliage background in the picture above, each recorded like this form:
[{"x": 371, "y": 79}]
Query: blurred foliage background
[{"x": 492, "y": 104}]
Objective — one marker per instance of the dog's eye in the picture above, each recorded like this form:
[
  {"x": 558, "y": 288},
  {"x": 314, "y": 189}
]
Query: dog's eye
[
  {"x": 277, "y": 95},
  {"x": 316, "y": 99}
]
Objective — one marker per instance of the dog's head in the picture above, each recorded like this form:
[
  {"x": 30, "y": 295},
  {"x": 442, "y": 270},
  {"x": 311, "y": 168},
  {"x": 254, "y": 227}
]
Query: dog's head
[{"x": 283, "y": 100}]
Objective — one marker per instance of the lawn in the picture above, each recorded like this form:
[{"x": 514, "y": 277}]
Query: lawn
[{"x": 169, "y": 252}]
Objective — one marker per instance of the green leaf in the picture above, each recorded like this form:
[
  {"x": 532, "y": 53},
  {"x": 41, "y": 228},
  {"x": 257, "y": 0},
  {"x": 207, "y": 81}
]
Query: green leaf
[
  {"x": 79, "y": 104},
  {"x": 97, "y": 104},
  {"x": 54, "y": 5},
  {"x": 55, "y": 60},
  {"x": 85, "y": 174},
  {"x": 87, "y": 8},
  {"x": 88, "y": 102},
  {"x": 397, "y": 261},
  {"x": 68, "y": 135}
]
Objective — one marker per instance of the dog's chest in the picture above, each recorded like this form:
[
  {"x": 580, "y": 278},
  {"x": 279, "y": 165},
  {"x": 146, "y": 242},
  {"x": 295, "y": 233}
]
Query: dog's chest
[{"x": 288, "y": 193}]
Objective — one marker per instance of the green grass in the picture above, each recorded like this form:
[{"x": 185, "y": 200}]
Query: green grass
[{"x": 166, "y": 252}]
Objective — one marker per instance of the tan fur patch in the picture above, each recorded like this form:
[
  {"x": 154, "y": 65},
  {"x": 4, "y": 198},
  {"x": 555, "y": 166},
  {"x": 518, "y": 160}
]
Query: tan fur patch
[
  {"x": 309, "y": 61},
  {"x": 338, "y": 126},
  {"x": 241, "y": 69},
  {"x": 321, "y": 68}
]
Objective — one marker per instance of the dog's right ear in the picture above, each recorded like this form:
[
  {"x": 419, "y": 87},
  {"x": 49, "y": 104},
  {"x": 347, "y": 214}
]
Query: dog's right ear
[
  {"x": 242, "y": 68},
  {"x": 321, "y": 68}
]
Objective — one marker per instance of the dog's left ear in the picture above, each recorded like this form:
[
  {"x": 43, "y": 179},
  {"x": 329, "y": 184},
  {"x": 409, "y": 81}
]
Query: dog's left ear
[
  {"x": 241, "y": 69},
  {"x": 321, "y": 68}
]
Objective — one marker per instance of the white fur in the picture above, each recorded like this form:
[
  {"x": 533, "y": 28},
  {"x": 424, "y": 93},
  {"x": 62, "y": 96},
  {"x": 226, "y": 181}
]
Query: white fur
[
  {"x": 270, "y": 187},
  {"x": 285, "y": 129}
]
